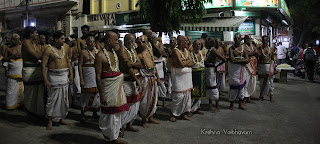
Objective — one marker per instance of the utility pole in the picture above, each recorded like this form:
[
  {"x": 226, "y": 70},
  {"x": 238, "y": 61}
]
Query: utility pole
[{"x": 27, "y": 9}]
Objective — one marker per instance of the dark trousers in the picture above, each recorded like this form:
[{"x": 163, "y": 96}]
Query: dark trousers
[{"x": 310, "y": 69}]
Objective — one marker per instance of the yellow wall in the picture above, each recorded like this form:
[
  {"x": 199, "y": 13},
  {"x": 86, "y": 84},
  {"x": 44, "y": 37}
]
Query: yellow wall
[{"x": 109, "y": 6}]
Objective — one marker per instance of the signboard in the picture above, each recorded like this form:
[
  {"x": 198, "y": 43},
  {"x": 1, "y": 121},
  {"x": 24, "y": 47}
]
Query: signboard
[
  {"x": 129, "y": 19},
  {"x": 257, "y": 3},
  {"x": 285, "y": 7},
  {"x": 218, "y": 4},
  {"x": 101, "y": 19},
  {"x": 246, "y": 28}
]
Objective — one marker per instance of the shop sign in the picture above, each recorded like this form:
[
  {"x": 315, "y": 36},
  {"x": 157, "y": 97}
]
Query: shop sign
[
  {"x": 257, "y": 3},
  {"x": 218, "y": 4},
  {"x": 129, "y": 19},
  {"x": 285, "y": 7},
  {"x": 101, "y": 19},
  {"x": 246, "y": 28}
]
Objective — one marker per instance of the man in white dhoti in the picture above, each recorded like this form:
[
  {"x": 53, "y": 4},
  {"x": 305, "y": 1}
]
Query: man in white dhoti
[
  {"x": 221, "y": 84},
  {"x": 211, "y": 64},
  {"x": 89, "y": 97},
  {"x": 57, "y": 79},
  {"x": 110, "y": 85},
  {"x": 266, "y": 70},
  {"x": 34, "y": 93},
  {"x": 237, "y": 72},
  {"x": 251, "y": 68},
  {"x": 173, "y": 44},
  {"x": 181, "y": 74},
  {"x": 14, "y": 90},
  {"x": 130, "y": 65},
  {"x": 148, "y": 78}
]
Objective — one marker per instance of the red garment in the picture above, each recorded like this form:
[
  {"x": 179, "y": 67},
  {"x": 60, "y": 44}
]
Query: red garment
[{"x": 317, "y": 50}]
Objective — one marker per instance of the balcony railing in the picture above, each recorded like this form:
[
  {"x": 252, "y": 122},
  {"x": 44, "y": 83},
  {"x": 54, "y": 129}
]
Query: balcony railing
[{"x": 10, "y": 4}]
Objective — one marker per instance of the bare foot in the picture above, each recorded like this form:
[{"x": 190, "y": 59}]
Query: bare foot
[
  {"x": 63, "y": 122},
  {"x": 118, "y": 141},
  {"x": 250, "y": 101},
  {"x": 271, "y": 99},
  {"x": 214, "y": 110},
  {"x": 232, "y": 108},
  {"x": 243, "y": 107},
  {"x": 83, "y": 119},
  {"x": 151, "y": 120},
  {"x": 189, "y": 114},
  {"x": 173, "y": 119},
  {"x": 121, "y": 134},
  {"x": 131, "y": 128},
  {"x": 185, "y": 117},
  {"x": 49, "y": 127},
  {"x": 199, "y": 112},
  {"x": 261, "y": 99},
  {"x": 145, "y": 125}
]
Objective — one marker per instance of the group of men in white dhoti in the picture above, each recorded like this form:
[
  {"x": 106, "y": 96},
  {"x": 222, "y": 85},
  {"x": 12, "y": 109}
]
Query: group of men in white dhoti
[{"x": 124, "y": 81}]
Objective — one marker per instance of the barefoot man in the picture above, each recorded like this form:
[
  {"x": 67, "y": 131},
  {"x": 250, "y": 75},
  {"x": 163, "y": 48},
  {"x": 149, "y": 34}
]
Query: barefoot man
[
  {"x": 237, "y": 72},
  {"x": 110, "y": 85},
  {"x": 57, "y": 79},
  {"x": 31, "y": 73},
  {"x": 211, "y": 79},
  {"x": 198, "y": 77},
  {"x": 130, "y": 65},
  {"x": 14, "y": 90},
  {"x": 148, "y": 78},
  {"x": 181, "y": 74},
  {"x": 251, "y": 68},
  {"x": 221, "y": 84},
  {"x": 89, "y": 97},
  {"x": 266, "y": 69}
]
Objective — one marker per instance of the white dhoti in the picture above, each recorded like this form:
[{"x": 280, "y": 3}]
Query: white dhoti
[
  {"x": 148, "y": 103},
  {"x": 34, "y": 89},
  {"x": 133, "y": 99},
  {"x": 90, "y": 96},
  {"x": 221, "y": 79},
  {"x": 76, "y": 79},
  {"x": 212, "y": 91},
  {"x": 181, "y": 90},
  {"x": 14, "y": 90},
  {"x": 237, "y": 81},
  {"x": 161, "y": 89},
  {"x": 266, "y": 84},
  {"x": 57, "y": 102},
  {"x": 111, "y": 111},
  {"x": 251, "y": 77}
]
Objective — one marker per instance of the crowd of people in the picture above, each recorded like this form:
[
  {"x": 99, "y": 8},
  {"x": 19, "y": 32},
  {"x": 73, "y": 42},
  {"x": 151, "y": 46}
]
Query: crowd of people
[{"x": 126, "y": 79}]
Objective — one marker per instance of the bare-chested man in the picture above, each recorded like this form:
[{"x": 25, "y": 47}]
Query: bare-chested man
[
  {"x": 237, "y": 72},
  {"x": 181, "y": 74},
  {"x": 253, "y": 53},
  {"x": 130, "y": 65},
  {"x": 220, "y": 75},
  {"x": 110, "y": 85},
  {"x": 89, "y": 93},
  {"x": 99, "y": 42},
  {"x": 81, "y": 42},
  {"x": 266, "y": 69},
  {"x": 42, "y": 43},
  {"x": 214, "y": 60},
  {"x": 149, "y": 76},
  {"x": 198, "y": 77},
  {"x": 57, "y": 79},
  {"x": 32, "y": 75},
  {"x": 14, "y": 90},
  {"x": 190, "y": 48}
]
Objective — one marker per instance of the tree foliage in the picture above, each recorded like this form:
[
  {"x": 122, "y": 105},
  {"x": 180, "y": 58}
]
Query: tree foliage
[
  {"x": 305, "y": 14},
  {"x": 167, "y": 15}
]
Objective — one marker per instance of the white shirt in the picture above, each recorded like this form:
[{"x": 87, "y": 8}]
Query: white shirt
[
  {"x": 281, "y": 52},
  {"x": 314, "y": 52}
]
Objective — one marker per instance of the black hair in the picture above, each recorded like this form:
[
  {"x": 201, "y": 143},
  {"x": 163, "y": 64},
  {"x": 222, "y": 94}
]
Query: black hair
[
  {"x": 57, "y": 35},
  {"x": 204, "y": 35},
  {"x": 28, "y": 31},
  {"x": 210, "y": 42},
  {"x": 85, "y": 26},
  {"x": 311, "y": 45},
  {"x": 74, "y": 36}
]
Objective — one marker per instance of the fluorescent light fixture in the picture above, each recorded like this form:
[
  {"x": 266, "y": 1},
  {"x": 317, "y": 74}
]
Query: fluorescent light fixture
[
  {"x": 33, "y": 24},
  {"x": 317, "y": 42}
]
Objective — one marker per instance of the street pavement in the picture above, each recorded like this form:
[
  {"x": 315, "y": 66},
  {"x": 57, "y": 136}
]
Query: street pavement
[{"x": 294, "y": 117}]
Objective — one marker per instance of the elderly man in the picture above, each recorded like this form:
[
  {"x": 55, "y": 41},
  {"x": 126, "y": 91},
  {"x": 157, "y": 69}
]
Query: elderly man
[
  {"x": 31, "y": 74},
  {"x": 14, "y": 90},
  {"x": 198, "y": 77},
  {"x": 89, "y": 96},
  {"x": 130, "y": 65},
  {"x": 148, "y": 78},
  {"x": 251, "y": 68},
  {"x": 181, "y": 74},
  {"x": 237, "y": 72},
  {"x": 57, "y": 79},
  {"x": 266, "y": 69},
  {"x": 110, "y": 85},
  {"x": 214, "y": 61}
]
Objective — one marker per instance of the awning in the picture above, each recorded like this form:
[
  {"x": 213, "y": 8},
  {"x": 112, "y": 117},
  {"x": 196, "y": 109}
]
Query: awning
[{"x": 216, "y": 24}]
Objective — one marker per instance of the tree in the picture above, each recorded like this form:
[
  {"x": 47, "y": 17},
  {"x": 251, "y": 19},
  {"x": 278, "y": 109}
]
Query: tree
[
  {"x": 305, "y": 14},
  {"x": 167, "y": 15}
]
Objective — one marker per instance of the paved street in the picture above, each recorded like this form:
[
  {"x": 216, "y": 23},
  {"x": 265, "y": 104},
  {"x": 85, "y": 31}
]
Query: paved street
[{"x": 293, "y": 118}]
